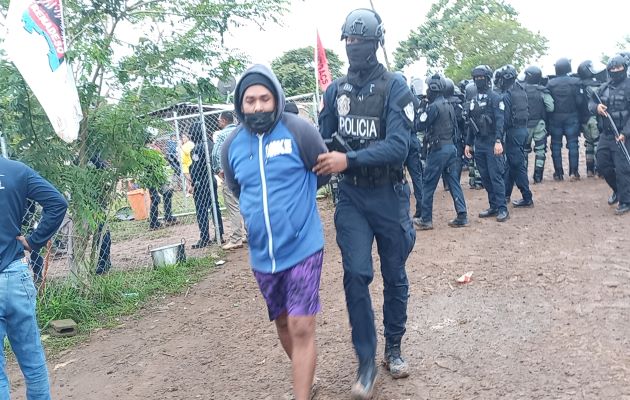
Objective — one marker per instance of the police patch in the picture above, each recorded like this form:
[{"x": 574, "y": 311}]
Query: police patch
[
  {"x": 409, "y": 111},
  {"x": 501, "y": 106},
  {"x": 343, "y": 105},
  {"x": 423, "y": 117}
]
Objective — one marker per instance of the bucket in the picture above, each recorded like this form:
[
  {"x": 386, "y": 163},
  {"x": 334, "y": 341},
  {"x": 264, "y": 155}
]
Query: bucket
[
  {"x": 139, "y": 202},
  {"x": 168, "y": 255}
]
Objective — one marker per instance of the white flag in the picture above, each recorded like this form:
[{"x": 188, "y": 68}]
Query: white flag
[{"x": 36, "y": 44}]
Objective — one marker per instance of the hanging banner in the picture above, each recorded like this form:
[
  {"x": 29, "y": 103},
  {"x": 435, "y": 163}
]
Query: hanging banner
[
  {"x": 36, "y": 44},
  {"x": 324, "y": 77}
]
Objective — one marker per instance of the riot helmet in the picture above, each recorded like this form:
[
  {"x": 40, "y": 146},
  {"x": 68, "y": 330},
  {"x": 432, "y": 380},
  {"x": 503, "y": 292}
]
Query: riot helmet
[
  {"x": 482, "y": 76},
  {"x": 462, "y": 85},
  {"x": 619, "y": 64},
  {"x": 588, "y": 70},
  {"x": 449, "y": 87},
  {"x": 435, "y": 86},
  {"x": 563, "y": 66},
  {"x": 506, "y": 76},
  {"x": 533, "y": 75},
  {"x": 365, "y": 24}
]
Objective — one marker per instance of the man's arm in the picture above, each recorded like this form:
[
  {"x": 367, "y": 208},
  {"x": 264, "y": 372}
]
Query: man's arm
[
  {"x": 498, "y": 108},
  {"x": 310, "y": 143},
  {"x": 54, "y": 207},
  {"x": 548, "y": 101},
  {"x": 228, "y": 173}
]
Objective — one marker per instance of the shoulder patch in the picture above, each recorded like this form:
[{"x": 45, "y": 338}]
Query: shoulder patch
[
  {"x": 501, "y": 106},
  {"x": 423, "y": 117}
]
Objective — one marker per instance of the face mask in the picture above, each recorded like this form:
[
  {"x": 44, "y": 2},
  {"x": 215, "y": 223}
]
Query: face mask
[
  {"x": 361, "y": 55},
  {"x": 259, "y": 122},
  {"x": 617, "y": 76},
  {"x": 482, "y": 85}
]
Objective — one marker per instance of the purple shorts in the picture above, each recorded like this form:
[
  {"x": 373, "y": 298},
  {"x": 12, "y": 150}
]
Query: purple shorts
[{"x": 294, "y": 291}]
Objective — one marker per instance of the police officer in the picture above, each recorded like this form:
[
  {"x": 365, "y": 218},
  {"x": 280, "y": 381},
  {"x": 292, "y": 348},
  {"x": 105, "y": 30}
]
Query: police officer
[
  {"x": 516, "y": 116},
  {"x": 588, "y": 122},
  {"x": 454, "y": 97},
  {"x": 540, "y": 103},
  {"x": 372, "y": 111},
  {"x": 470, "y": 91},
  {"x": 486, "y": 133},
  {"x": 440, "y": 123},
  {"x": 611, "y": 162},
  {"x": 564, "y": 122}
]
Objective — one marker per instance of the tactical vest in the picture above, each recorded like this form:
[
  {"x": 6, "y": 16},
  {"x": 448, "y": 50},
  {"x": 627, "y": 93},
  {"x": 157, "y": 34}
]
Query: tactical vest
[
  {"x": 535, "y": 103},
  {"x": 442, "y": 129},
  {"x": 586, "y": 86},
  {"x": 563, "y": 91},
  {"x": 361, "y": 111},
  {"x": 482, "y": 113},
  {"x": 520, "y": 106},
  {"x": 617, "y": 99}
]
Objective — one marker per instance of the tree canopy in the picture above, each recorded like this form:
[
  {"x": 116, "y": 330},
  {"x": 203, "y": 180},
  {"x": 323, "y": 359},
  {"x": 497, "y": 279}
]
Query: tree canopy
[
  {"x": 460, "y": 34},
  {"x": 296, "y": 70}
]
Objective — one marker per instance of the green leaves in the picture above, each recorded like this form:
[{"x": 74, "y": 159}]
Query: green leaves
[
  {"x": 460, "y": 34},
  {"x": 296, "y": 70}
]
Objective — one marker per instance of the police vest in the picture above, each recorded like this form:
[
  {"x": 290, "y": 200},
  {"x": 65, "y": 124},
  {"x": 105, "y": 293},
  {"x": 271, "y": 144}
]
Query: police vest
[
  {"x": 535, "y": 103},
  {"x": 563, "y": 90},
  {"x": 520, "y": 106},
  {"x": 586, "y": 86},
  {"x": 361, "y": 111},
  {"x": 443, "y": 128},
  {"x": 482, "y": 113},
  {"x": 617, "y": 99}
]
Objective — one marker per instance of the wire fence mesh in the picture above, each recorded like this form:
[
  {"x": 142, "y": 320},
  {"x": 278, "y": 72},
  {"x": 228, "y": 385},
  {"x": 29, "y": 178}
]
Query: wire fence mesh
[{"x": 191, "y": 213}]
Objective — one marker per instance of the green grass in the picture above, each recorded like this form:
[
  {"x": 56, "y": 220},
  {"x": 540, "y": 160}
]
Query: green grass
[{"x": 107, "y": 298}]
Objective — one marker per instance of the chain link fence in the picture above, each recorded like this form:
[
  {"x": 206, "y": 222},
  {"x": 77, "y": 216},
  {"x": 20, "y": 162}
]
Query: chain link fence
[{"x": 192, "y": 213}]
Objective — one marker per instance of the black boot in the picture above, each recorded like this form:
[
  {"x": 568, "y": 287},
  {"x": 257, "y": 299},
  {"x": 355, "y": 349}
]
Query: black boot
[
  {"x": 613, "y": 199},
  {"x": 622, "y": 208},
  {"x": 503, "y": 216},
  {"x": 460, "y": 221},
  {"x": 538, "y": 175},
  {"x": 490, "y": 212},
  {"x": 394, "y": 362}
]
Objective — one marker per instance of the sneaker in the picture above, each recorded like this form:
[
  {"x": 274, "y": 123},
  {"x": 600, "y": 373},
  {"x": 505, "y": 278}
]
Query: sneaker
[
  {"x": 503, "y": 216},
  {"x": 490, "y": 212},
  {"x": 613, "y": 199},
  {"x": 421, "y": 225},
  {"x": 622, "y": 208},
  {"x": 364, "y": 385},
  {"x": 200, "y": 244},
  {"x": 522, "y": 203},
  {"x": 232, "y": 245},
  {"x": 394, "y": 362},
  {"x": 459, "y": 222}
]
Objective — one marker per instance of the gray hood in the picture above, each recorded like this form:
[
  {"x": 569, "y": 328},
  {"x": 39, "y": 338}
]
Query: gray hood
[{"x": 279, "y": 93}]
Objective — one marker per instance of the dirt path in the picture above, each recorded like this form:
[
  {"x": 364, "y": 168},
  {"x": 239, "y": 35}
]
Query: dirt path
[{"x": 545, "y": 317}]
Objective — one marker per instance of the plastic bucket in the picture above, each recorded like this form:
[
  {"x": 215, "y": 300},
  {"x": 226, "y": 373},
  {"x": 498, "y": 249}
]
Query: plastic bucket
[{"x": 139, "y": 202}]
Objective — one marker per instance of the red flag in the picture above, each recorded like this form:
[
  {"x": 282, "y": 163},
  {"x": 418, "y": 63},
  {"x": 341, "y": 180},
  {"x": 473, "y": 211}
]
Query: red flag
[{"x": 324, "y": 76}]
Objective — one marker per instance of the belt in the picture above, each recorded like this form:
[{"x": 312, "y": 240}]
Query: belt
[{"x": 372, "y": 181}]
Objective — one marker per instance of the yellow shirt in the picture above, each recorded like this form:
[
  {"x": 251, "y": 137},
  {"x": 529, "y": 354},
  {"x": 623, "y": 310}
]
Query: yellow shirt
[{"x": 186, "y": 159}]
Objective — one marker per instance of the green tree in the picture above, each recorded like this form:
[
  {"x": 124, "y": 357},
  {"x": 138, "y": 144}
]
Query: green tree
[
  {"x": 461, "y": 34},
  {"x": 296, "y": 70},
  {"x": 128, "y": 57}
]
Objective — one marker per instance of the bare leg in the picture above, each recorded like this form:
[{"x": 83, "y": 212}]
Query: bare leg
[
  {"x": 282, "y": 326},
  {"x": 303, "y": 355}
]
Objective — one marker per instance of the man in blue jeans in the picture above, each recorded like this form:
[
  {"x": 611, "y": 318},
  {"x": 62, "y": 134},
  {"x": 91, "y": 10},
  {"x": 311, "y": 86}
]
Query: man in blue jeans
[{"x": 18, "y": 184}]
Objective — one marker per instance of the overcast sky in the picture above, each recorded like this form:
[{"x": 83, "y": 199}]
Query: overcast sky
[{"x": 574, "y": 29}]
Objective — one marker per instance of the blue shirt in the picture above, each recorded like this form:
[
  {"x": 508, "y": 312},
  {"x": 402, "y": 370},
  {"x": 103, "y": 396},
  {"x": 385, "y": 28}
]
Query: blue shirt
[{"x": 18, "y": 184}]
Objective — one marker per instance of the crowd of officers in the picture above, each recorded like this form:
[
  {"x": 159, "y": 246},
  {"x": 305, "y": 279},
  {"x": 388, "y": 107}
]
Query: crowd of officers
[{"x": 490, "y": 124}]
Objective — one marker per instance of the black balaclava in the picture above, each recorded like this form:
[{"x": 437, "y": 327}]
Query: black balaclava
[
  {"x": 481, "y": 82},
  {"x": 618, "y": 76},
  {"x": 364, "y": 65},
  {"x": 258, "y": 122}
]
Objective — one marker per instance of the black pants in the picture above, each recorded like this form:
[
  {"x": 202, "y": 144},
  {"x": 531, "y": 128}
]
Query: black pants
[
  {"x": 613, "y": 166},
  {"x": 154, "y": 213},
  {"x": 203, "y": 202}
]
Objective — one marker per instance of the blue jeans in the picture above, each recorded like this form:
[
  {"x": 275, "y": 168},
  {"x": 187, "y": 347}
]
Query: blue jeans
[
  {"x": 492, "y": 169},
  {"x": 18, "y": 323},
  {"x": 443, "y": 160},
  {"x": 362, "y": 215},
  {"x": 559, "y": 126},
  {"x": 516, "y": 171}
]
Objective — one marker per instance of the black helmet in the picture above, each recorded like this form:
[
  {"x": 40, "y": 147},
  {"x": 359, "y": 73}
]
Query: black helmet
[
  {"x": 626, "y": 54},
  {"x": 617, "y": 61},
  {"x": 365, "y": 24},
  {"x": 482, "y": 70},
  {"x": 563, "y": 66},
  {"x": 586, "y": 70},
  {"x": 462, "y": 85},
  {"x": 508, "y": 72},
  {"x": 449, "y": 87},
  {"x": 436, "y": 83},
  {"x": 533, "y": 75}
]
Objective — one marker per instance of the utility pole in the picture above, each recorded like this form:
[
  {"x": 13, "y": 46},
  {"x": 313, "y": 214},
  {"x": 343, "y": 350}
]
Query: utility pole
[{"x": 383, "y": 46}]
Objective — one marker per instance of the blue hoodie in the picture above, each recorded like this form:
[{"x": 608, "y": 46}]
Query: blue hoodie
[
  {"x": 271, "y": 175},
  {"x": 17, "y": 184}
]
